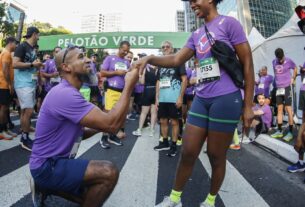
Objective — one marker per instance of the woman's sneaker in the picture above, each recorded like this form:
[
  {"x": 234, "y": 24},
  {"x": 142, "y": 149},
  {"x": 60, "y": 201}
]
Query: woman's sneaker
[
  {"x": 297, "y": 167},
  {"x": 277, "y": 134},
  {"x": 288, "y": 137},
  {"x": 235, "y": 146},
  {"x": 137, "y": 132},
  {"x": 168, "y": 203},
  {"x": 5, "y": 136}
]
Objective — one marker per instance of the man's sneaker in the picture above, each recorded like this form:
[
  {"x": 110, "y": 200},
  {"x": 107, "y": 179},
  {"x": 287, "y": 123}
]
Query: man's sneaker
[
  {"x": 168, "y": 203},
  {"x": 5, "y": 136},
  {"x": 297, "y": 167},
  {"x": 162, "y": 146},
  {"x": 131, "y": 117},
  {"x": 288, "y": 137},
  {"x": 113, "y": 139},
  {"x": 152, "y": 133},
  {"x": 26, "y": 143},
  {"x": 204, "y": 204},
  {"x": 137, "y": 132},
  {"x": 235, "y": 146},
  {"x": 246, "y": 140},
  {"x": 104, "y": 142},
  {"x": 9, "y": 132},
  {"x": 277, "y": 134},
  {"x": 172, "y": 151},
  {"x": 179, "y": 141}
]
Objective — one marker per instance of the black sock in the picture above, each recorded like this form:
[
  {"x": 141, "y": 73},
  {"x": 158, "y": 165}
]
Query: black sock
[
  {"x": 165, "y": 139},
  {"x": 290, "y": 128},
  {"x": 1, "y": 127},
  {"x": 280, "y": 127},
  {"x": 174, "y": 143}
]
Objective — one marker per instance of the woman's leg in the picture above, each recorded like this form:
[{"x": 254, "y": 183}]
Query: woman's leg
[{"x": 144, "y": 112}]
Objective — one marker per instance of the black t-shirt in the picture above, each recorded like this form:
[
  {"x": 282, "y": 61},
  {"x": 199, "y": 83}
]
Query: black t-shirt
[
  {"x": 26, "y": 53},
  {"x": 173, "y": 74}
]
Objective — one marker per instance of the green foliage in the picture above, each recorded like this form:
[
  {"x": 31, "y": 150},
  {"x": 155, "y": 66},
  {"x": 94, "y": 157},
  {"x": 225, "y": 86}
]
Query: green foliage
[
  {"x": 47, "y": 29},
  {"x": 6, "y": 28}
]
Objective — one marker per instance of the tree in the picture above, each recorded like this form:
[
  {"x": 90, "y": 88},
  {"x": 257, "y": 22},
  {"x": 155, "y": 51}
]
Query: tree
[
  {"x": 47, "y": 29},
  {"x": 6, "y": 28}
]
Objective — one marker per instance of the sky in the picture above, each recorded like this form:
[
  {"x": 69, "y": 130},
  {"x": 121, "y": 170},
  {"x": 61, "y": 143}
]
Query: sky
[{"x": 137, "y": 15}]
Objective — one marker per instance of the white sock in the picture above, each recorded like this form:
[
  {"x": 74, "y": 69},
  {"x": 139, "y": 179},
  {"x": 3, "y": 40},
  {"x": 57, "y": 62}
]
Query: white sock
[{"x": 301, "y": 162}]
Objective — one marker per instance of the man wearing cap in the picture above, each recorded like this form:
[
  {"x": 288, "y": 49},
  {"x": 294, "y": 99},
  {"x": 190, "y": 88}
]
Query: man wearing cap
[
  {"x": 26, "y": 65},
  {"x": 6, "y": 86}
]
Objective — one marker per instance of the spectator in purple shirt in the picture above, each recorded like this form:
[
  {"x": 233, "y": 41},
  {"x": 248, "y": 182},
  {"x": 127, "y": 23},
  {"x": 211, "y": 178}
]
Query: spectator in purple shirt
[
  {"x": 263, "y": 83},
  {"x": 64, "y": 120}
]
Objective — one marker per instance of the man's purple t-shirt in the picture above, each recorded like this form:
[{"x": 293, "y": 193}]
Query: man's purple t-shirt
[
  {"x": 226, "y": 29},
  {"x": 49, "y": 68},
  {"x": 303, "y": 82},
  {"x": 267, "y": 116},
  {"x": 112, "y": 63},
  {"x": 282, "y": 72},
  {"x": 263, "y": 86},
  {"x": 58, "y": 125},
  {"x": 189, "y": 90}
]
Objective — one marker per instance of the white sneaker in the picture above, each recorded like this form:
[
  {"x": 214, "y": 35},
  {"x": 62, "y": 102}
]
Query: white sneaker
[
  {"x": 5, "y": 136},
  {"x": 204, "y": 204},
  {"x": 152, "y": 133},
  {"x": 246, "y": 140},
  {"x": 137, "y": 132},
  {"x": 168, "y": 203},
  {"x": 9, "y": 132}
]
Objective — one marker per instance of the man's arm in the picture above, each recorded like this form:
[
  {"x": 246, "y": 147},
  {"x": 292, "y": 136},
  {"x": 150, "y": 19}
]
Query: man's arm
[
  {"x": 114, "y": 119},
  {"x": 18, "y": 64},
  {"x": 157, "y": 92},
  {"x": 182, "y": 91},
  {"x": 89, "y": 133},
  {"x": 6, "y": 72}
]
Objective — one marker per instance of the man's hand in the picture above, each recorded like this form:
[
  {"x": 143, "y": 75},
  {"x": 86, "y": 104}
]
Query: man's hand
[
  {"x": 121, "y": 72},
  {"x": 55, "y": 74},
  {"x": 248, "y": 116},
  {"x": 131, "y": 78},
  {"x": 179, "y": 102},
  {"x": 37, "y": 64}
]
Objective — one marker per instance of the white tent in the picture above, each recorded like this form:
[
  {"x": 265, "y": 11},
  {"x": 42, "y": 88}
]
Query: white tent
[
  {"x": 255, "y": 38},
  {"x": 289, "y": 38}
]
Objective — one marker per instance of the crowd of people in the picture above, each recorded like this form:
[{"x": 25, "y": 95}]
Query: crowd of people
[{"x": 76, "y": 97}]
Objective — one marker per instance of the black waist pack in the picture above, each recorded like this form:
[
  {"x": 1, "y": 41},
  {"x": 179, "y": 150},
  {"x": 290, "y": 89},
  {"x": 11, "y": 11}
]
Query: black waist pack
[{"x": 227, "y": 59}]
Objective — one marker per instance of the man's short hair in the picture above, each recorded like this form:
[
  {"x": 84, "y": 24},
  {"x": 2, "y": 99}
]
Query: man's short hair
[
  {"x": 279, "y": 53},
  {"x": 10, "y": 40},
  {"x": 57, "y": 47},
  {"x": 124, "y": 43},
  {"x": 167, "y": 42}
]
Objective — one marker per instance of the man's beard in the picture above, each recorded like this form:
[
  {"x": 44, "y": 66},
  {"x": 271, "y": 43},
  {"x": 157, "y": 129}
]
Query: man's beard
[{"x": 89, "y": 78}]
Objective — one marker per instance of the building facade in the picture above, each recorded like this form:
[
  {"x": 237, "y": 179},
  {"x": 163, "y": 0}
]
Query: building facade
[
  {"x": 111, "y": 22},
  {"x": 14, "y": 10},
  {"x": 191, "y": 22},
  {"x": 180, "y": 24},
  {"x": 267, "y": 16}
]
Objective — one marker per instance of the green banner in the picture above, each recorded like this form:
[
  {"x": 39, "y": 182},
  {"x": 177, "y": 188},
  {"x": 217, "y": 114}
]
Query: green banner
[{"x": 111, "y": 40}]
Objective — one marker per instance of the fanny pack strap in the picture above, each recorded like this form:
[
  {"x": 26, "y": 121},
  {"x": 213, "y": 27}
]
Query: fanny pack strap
[{"x": 209, "y": 36}]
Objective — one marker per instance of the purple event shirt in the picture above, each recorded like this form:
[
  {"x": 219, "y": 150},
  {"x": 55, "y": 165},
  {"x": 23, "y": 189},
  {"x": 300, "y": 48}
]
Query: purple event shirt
[
  {"x": 189, "y": 90},
  {"x": 282, "y": 72},
  {"x": 303, "y": 85},
  {"x": 139, "y": 88},
  {"x": 49, "y": 68},
  {"x": 223, "y": 28},
  {"x": 263, "y": 86},
  {"x": 267, "y": 116},
  {"x": 58, "y": 125},
  {"x": 112, "y": 63}
]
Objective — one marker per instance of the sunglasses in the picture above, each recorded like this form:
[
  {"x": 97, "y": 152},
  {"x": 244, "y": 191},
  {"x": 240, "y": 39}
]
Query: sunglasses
[
  {"x": 165, "y": 46},
  {"x": 69, "y": 48}
]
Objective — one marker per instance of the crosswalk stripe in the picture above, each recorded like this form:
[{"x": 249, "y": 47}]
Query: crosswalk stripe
[
  {"x": 17, "y": 182},
  {"x": 137, "y": 185},
  {"x": 235, "y": 190}
]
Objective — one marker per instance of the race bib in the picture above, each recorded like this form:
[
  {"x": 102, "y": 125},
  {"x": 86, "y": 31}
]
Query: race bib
[
  {"x": 280, "y": 92},
  {"x": 261, "y": 85},
  {"x": 120, "y": 66},
  {"x": 34, "y": 77},
  {"x": 165, "y": 83},
  {"x": 208, "y": 71},
  {"x": 75, "y": 148},
  {"x": 55, "y": 80}
]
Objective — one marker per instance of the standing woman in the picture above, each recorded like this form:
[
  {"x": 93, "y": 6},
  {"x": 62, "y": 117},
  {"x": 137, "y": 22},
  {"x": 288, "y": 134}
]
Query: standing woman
[
  {"x": 148, "y": 79},
  {"x": 217, "y": 105}
]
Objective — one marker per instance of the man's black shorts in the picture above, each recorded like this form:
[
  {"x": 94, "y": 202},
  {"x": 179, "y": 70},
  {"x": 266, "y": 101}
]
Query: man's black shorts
[
  {"x": 5, "y": 97},
  {"x": 285, "y": 99},
  {"x": 169, "y": 111}
]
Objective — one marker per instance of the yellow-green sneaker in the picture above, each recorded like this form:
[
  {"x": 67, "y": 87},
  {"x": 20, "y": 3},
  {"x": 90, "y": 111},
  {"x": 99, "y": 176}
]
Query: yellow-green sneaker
[
  {"x": 288, "y": 137},
  {"x": 179, "y": 141},
  {"x": 277, "y": 134}
]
